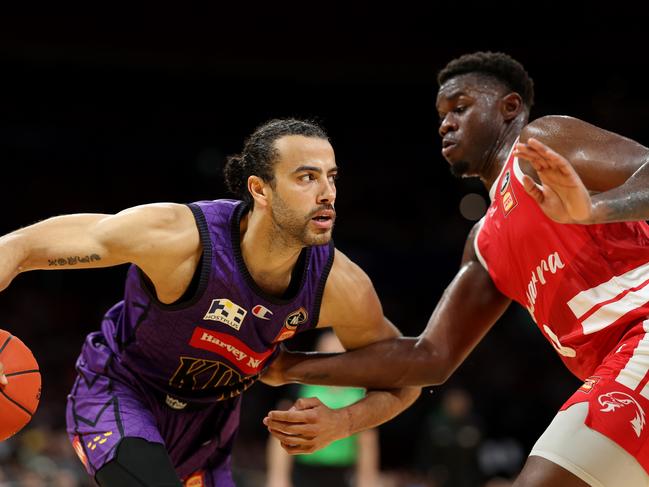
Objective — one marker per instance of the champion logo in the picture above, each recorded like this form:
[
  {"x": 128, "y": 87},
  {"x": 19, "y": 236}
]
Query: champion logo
[
  {"x": 262, "y": 312},
  {"x": 613, "y": 401}
]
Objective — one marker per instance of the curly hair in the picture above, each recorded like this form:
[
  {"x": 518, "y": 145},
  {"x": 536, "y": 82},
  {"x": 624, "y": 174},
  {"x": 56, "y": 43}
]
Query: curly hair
[
  {"x": 260, "y": 154},
  {"x": 498, "y": 65}
]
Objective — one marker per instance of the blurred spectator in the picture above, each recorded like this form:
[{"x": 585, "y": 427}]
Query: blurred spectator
[
  {"x": 40, "y": 457},
  {"x": 352, "y": 461},
  {"x": 449, "y": 441}
]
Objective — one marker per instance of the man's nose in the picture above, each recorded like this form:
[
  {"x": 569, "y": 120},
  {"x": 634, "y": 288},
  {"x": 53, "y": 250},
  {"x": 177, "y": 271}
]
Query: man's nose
[
  {"x": 328, "y": 193},
  {"x": 446, "y": 126}
]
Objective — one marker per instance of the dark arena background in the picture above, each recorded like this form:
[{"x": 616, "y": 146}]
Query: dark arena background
[{"x": 103, "y": 112}]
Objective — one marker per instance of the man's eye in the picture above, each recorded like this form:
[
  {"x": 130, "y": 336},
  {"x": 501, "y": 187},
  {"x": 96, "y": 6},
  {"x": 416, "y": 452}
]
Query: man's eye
[{"x": 460, "y": 109}]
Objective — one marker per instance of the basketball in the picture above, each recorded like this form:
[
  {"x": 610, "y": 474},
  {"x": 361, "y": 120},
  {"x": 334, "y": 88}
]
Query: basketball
[{"x": 19, "y": 398}]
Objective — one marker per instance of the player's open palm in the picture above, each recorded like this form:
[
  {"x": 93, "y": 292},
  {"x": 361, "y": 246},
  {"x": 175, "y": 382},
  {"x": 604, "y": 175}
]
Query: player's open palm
[{"x": 562, "y": 194}]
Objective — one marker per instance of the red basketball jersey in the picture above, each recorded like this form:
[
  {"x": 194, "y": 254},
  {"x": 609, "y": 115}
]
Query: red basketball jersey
[{"x": 584, "y": 285}]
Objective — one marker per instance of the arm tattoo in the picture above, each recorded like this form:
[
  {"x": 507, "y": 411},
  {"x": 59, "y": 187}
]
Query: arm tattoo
[
  {"x": 633, "y": 206},
  {"x": 629, "y": 202},
  {"x": 73, "y": 260}
]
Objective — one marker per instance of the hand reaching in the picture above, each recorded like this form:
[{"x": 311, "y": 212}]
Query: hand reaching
[
  {"x": 307, "y": 426},
  {"x": 561, "y": 195},
  {"x": 273, "y": 375}
]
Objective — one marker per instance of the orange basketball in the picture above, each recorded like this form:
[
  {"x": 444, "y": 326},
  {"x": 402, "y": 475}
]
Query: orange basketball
[{"x": 19, "y": 398}]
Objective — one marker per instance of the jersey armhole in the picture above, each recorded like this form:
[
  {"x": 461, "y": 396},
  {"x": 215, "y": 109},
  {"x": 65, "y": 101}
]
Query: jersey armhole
[
  {"x": 476, "y": 247},
  {"x": 198, "y": 283},
  {"x": 315, "y": 312}
]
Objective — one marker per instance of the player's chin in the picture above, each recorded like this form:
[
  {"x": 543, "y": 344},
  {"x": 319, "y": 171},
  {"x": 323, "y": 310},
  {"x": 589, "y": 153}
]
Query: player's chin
[
  {"x": 319, "y": 237},
  {"x": 460, "y": 168}
]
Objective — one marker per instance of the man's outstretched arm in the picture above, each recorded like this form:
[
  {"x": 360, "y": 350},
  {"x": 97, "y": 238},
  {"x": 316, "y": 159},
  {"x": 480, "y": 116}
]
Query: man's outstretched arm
[
  {"x": 352, "y": 308},
  {"x": 469, "y": 307},
  {"x": 162, "y": 239}
]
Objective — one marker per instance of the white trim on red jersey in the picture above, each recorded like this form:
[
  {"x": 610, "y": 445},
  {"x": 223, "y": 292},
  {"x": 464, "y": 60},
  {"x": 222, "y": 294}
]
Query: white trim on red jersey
[{"x": 611, "y": 300}]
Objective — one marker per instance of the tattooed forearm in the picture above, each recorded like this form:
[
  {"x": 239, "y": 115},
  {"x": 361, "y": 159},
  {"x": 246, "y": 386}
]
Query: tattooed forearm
[
  {"x": 633, "y": 207},
  {"x": 73, "y": 260},
  {"x": 629, "y": 202}
]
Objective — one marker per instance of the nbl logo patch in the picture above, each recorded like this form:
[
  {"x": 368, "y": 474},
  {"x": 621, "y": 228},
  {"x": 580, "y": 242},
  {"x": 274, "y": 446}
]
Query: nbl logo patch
[
  {"x": 225, "y": 311},
  {"x": 291, "y": 323},
  {"x": 505, "y": 182},
  {"x": 297, "y": 317}
]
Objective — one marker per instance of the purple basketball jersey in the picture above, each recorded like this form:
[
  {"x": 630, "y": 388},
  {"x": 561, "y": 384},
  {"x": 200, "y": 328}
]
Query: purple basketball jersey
[{"x": 197, "y": 353}]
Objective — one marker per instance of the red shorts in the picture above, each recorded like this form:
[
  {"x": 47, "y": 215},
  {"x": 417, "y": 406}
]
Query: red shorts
[{"x": 618, "y": 395}]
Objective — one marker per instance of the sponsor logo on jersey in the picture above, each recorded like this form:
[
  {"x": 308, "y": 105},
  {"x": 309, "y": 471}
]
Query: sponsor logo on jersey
[
  {"x": 616, "y": 400},
  {"x": 588, "y": 384},
  {"x": 291, "y": 323},
  {"x": 509, "y": 200},
  {"x": 230, "y": 348},
  {"x": 225, "y": 311},
  {"x": 78, "y": 448},
  {"x": 197, "y": 479},
  {"x": 262, "y": 312}
]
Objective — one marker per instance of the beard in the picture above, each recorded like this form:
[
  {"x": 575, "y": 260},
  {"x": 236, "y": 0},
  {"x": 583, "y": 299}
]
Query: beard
[
  {"x": 293, "y": 228},
  {"x": 459, "y": 169}
]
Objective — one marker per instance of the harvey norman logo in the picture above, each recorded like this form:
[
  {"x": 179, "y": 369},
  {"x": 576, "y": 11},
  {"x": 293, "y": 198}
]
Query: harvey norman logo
[{"x": 230, "y": 348}]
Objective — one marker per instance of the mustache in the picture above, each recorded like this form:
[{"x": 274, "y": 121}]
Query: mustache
[{"x": 327, "y": 207}]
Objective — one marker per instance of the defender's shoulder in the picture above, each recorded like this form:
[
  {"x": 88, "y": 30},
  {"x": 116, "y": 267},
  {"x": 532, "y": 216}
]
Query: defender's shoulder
[{"x": 549, "y": 126}]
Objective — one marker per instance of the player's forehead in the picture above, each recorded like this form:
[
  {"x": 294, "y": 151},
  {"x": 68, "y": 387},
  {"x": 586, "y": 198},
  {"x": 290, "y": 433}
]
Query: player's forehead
[
  {"x": 296, "y": 151},
  {"x": 471, "y": 85}
]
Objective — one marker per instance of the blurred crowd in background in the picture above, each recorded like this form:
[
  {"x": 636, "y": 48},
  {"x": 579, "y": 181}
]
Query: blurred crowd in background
[{"x": 92, "y": 122}]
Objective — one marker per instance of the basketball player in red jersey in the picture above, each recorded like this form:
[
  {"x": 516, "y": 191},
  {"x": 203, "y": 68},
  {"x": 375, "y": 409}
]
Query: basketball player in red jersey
[{"x": 564, "y": 237}]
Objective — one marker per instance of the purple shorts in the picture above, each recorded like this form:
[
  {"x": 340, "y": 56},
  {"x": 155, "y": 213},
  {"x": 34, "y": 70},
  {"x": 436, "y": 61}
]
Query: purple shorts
[{"x": 107, "y": 404}]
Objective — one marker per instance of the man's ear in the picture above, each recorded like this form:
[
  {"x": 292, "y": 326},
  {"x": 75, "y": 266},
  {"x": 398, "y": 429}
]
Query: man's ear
[
  {"x": 511, "y": 105},
  {"x": 259, "y": 190}
]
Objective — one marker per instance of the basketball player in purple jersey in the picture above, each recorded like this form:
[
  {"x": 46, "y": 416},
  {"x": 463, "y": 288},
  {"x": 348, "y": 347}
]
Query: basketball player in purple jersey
[{"x": 214, "y": 288}]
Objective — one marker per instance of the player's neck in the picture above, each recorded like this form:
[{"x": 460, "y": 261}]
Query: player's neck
[
  {"x": 497, "y": 157},
  {"x": 270, "y": 259}
]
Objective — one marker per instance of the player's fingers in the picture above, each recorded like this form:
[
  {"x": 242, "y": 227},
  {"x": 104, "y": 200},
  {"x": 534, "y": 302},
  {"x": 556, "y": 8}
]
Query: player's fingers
[
  {"x": 307, "y": 403},
  {"x": 290, "y": 416},
  {"x": 291, "y": 429},
  {"x": 537, "y": 161},
  {"x": 291, "y": 439},
  {"x": 554, "y": 159},
  {"x": 533, "y": 189},
  {"x": 3, "y": 378},
  {"x": 298, "y": 449}
]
